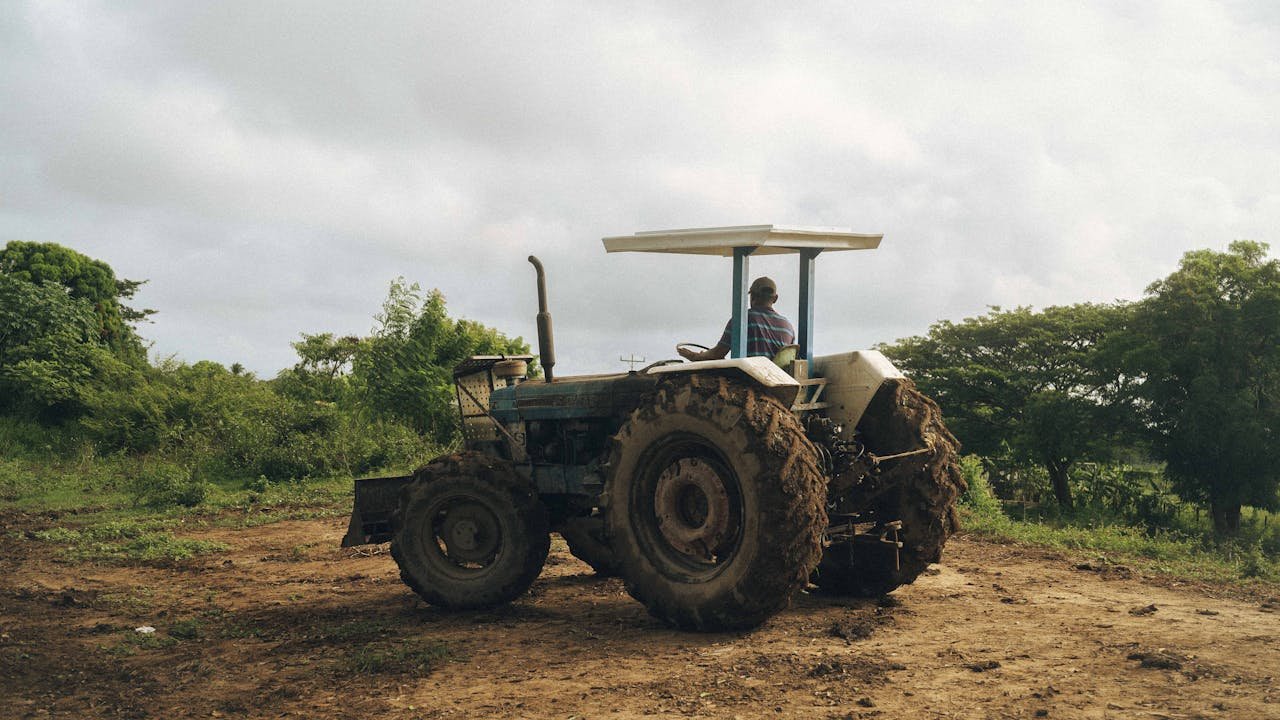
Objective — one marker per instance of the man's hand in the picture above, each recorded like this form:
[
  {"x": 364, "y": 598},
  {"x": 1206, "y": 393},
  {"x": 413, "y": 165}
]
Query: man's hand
[{"x": 714, "y": 353}]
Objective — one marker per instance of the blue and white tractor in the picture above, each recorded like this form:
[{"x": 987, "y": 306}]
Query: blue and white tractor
[{"x": 716, "y": 490}]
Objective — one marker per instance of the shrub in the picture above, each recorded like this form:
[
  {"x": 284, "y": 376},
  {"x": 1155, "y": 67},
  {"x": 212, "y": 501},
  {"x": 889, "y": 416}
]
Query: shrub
[
  {"x": 978, "y": 498},
  {"x": 165, "y": 484}
]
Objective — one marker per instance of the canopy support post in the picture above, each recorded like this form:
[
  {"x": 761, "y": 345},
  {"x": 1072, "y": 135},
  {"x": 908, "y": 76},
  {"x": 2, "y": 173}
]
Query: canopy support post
[
  {"x": 738, "y": 325},
  {"x": 807, "y": 265}
]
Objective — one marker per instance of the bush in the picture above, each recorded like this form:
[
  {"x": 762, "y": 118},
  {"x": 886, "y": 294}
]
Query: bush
[
  {"x": 161, "y": 484},
  {"x": 26, "y": 437},
  {"x": 978, "y": 498}
]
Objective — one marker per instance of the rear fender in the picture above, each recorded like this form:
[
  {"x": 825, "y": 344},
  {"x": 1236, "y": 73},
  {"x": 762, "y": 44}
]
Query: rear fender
[
  {"x": 852, "y": 380},
  {"x": 760, "y": 371}
]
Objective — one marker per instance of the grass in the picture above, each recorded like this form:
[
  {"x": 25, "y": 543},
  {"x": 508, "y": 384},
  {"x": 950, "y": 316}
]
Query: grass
[
  {"x": 399, "y": 657},
  {"x": 95, "y": 501},
  {"x": 132, "y": 642},
  {"x": 189, "y": 629},
  {"x": 1178, "y": 551},
  {"x": 124, "y": 542}
]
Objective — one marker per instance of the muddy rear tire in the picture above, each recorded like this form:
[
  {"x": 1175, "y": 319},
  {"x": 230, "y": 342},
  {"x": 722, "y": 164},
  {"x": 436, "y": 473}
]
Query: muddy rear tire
[
  {"x": 470, "y": 532},
  {"x": 715, "y": 504},
  {"x": 920, "y": 491}
]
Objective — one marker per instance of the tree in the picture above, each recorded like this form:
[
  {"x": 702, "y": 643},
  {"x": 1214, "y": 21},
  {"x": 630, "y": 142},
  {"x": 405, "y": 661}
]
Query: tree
[
  {"x": 1030, "y": 386},
  {"x": 86, "y": 279},
  {"x": 405, "y": 371},
  {"x": 323, "y": 368},
  {"x": 1210, "y": 354},
  {"x": 49, "y": 349}
]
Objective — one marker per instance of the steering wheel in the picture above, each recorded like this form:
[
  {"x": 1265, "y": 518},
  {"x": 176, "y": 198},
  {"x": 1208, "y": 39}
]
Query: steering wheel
[{"x": 688, "y": 347}]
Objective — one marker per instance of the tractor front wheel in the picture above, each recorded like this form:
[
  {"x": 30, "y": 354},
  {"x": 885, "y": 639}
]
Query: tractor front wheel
[
  {"x": 469, "y": 532},
  {"x": 715, "y": 504}
]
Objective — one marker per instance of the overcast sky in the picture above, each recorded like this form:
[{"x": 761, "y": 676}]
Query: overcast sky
[{"x": 270, "y": 168}]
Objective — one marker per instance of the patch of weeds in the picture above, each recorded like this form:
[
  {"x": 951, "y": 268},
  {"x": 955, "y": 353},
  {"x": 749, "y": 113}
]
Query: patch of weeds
[
  {"x": 125, "y": 542},
  {"x": 133, "y": 642},
  {"x": 302, "y": 552},
  {"x": 233, "y": 628},
  {"x": 136, "y": 601},
  {"x": 1254, "y": 564},
  {"x": 274, "y": 514},
  {"x": 402, "y": 657},
  {"x": 358, "y": 631},
  {"x": 59, "y": 535},
  {"x": 12, "y": 480},
  {"x": 187, "y": 629}
]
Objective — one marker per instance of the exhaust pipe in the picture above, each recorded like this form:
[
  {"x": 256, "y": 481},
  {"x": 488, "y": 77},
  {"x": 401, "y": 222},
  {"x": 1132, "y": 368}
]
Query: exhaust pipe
[{"x": 546, "y": 345}]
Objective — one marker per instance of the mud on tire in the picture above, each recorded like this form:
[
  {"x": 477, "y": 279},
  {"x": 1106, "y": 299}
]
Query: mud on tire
[
  {"x": 715, "y": 504},
  {"x": 469, "y": 532},
  {"x": 920, "y": 491}
]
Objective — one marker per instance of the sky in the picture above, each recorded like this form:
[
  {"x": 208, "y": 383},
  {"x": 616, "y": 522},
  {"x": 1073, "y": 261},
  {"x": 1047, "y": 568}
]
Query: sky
[{"x": 269, "y": 168}]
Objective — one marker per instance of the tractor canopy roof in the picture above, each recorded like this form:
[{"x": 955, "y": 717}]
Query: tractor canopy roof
[
  {"x": 740, "y": 242},
  {"x": 753, "y": 239}
]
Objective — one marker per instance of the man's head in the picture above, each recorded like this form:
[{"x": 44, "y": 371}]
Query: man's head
[{"x": 763, "y": 291}]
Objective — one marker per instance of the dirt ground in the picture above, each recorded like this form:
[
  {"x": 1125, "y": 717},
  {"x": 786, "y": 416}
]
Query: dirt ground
[{"x": 286, "y": 624}]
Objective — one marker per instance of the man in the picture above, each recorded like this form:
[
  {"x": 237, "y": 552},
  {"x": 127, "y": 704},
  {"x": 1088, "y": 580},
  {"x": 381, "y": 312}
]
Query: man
[{"x": 767, "y": 331}]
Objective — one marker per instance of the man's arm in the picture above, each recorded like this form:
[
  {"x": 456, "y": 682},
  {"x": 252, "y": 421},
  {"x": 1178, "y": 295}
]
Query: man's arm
[{"x": 714, "y": 353}]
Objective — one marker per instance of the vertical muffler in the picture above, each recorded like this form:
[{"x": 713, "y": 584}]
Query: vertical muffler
[{"x": 546, "y": 345}]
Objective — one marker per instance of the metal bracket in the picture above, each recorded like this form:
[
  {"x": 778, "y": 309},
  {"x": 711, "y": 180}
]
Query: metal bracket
[
  {"x": 877, "y": 459},
  {"x": 893, "y": 527}
]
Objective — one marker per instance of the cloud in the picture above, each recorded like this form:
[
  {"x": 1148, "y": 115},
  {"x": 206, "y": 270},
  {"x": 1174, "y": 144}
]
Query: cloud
[{"x": 271, "y": 167}]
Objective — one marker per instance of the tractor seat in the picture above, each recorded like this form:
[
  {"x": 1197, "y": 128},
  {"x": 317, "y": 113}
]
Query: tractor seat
[{"x": 785, "y": 356}]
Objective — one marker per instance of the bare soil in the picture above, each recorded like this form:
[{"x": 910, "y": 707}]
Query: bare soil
[{"x": 286, "y": 624}]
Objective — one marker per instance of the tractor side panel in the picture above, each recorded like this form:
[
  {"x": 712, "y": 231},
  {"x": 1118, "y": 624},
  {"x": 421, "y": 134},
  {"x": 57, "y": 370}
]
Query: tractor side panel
[{"x": 852, "y": 380}]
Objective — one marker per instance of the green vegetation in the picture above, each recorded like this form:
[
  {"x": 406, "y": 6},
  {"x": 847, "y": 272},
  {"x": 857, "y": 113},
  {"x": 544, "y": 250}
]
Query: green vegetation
[
  {"x": 131, "y": 643},
  {"x": 129, "y": 451},
  {"x": 87, "y": 422},
  {"x": 1184, "y": 547},
  {"x": 88, "y": 282},
  {"x": 1023, "y": 387},
  {"x": 124, "y": 541},
  {"x": 402, "y": 656},
  {"x": 1148, "y": 411},
  {"x": 1209, "y": 351}
]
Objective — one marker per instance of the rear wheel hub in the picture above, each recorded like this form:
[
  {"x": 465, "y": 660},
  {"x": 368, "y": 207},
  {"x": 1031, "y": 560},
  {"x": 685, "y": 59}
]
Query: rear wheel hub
[{"x": 691, "y": 505}]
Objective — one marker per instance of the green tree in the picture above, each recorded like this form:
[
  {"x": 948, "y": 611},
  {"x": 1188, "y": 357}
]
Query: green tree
[
  {"x": 1028, "y": 386},
  {"x": 323, "y": 370},
  {"x": 405, "y": 371},
  {"x": 1210, "y": 354},
  {"x": 50, "y": 354},
  {"x": 83, "y": 278}
]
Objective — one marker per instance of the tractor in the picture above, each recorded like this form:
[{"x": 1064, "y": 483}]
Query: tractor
[{"x": 716, "y": 490}]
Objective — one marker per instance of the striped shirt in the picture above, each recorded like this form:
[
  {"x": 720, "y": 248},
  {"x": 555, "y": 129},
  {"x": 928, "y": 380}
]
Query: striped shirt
[{"x": 767, "y": 333}]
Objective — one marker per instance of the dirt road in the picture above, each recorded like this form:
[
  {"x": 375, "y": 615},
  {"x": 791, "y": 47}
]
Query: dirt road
[{"x": 285, "y": 624}]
